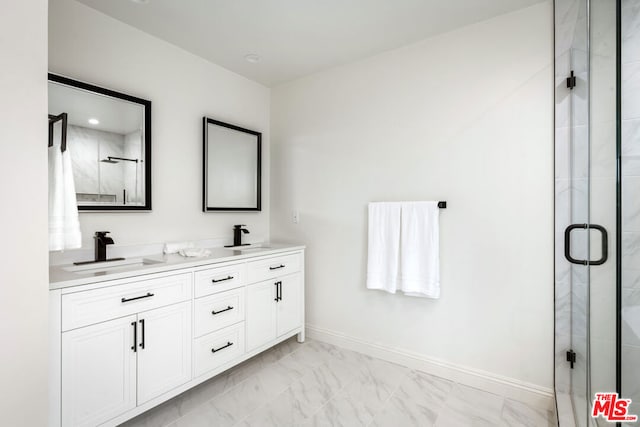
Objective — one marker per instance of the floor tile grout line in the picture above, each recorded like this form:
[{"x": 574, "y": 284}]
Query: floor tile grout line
[
  {"x": 235, "y": 385},
  {"x": 279, "y": 394},
  {"x": 333, "y": 395},
  {"x": 388, "y": 399}
]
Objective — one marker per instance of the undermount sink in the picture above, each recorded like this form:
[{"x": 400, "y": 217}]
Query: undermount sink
[
  {"x": 111, "y": 266},
  {"x": 249, "y": 248}
]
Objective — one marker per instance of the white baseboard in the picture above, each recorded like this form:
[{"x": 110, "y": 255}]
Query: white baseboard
[{"x": 531, "y": 394}]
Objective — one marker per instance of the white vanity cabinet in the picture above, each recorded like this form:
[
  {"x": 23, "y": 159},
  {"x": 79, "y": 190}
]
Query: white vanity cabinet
[
  {"x": 122, "y": 346},
  {"x": 111, "y": 366},
  {"x": 99, "y": 372},
  {"x": 274, "y": 306}
]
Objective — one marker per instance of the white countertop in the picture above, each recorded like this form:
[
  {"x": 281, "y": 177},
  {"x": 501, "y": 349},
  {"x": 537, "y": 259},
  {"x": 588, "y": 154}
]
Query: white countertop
[{"x": 60, "y": 277}]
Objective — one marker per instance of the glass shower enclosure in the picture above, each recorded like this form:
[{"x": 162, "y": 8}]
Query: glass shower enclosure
[{"x": 597, "y": 206}]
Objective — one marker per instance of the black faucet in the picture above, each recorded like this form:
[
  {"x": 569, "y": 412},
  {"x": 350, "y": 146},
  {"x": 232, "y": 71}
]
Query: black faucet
[
  {"x": 102, "y": 241},
  {"x": 237, "y": 236},
  {"x": 101, "y": 245}
]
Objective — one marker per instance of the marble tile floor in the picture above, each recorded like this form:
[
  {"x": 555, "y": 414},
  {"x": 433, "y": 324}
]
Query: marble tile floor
[{"x": 317, "y": 384}]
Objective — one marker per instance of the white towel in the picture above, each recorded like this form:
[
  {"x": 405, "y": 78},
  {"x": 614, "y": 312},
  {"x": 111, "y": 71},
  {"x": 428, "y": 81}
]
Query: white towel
[
  {"x": 194, "y": 252},
  {"x": 384, "y": 246},
  {"x": 419, "y": 249},
  {"x": 175, "y": 247},
  {"x": 56, "y": 199},
  {"x": 64, "y": 222}
]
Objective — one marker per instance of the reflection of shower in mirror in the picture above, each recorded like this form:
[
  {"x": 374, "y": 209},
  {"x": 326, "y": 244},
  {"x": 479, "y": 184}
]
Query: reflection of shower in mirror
[
  {"x": 111, "y": 159},
  {"x": 115, "y": 160},
  {"x": 108, "y": 138}
]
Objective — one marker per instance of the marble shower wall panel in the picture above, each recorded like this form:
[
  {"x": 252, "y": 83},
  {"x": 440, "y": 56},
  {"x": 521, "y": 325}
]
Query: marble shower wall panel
[
  {"x": 602, "y": 153},
  {"x": 87, "y": 148},
  {"x": 133, "y": 172},
  {"x": 111, "y": 174},
  {"x": 84, "y": 159},
  {"x": 630, "y": 204}
]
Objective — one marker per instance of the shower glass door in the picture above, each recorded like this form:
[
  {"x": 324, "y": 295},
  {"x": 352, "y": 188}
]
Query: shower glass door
[
  {"x": 573, "y": 185},
  {"x": 586, "y": 205},
  {"x": 577, "y": 219}
]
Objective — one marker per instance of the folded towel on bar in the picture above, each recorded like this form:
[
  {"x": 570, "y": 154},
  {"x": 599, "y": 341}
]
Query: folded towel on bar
[
  {"x": 384, "y": 246},
  {"x": 404, "y": 248},
  {"x": 194, "y": 252},
  {"x": 174, "y": 247},
  {"x": 64, "y": 222},
  {"x": 419, "y": 249}
]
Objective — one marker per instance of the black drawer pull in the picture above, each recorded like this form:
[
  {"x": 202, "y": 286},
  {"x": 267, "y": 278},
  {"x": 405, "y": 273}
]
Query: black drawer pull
[
  {"x": 222, "y": 311},
  {"x": 229, "y": 344},
  {"x": 276, "y": 268},
  {"x": 221, "y": 280},
  {"x": 149, "y": 294}
]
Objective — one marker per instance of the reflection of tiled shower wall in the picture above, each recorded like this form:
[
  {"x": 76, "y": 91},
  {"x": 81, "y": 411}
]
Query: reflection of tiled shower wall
[
  {"x": 87, "y": 148},
  {"x": 631, "y": 202},
  {"x": 133, "y": 171}
]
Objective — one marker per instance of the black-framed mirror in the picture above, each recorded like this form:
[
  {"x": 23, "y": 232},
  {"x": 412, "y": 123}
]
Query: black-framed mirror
[
  {"x": 108, "y": 137},
  {"x": 232, "y": 167}
]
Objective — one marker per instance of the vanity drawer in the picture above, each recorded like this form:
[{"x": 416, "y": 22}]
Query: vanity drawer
[
  {"x": 228, "y": 344},
  {"x": 97, "y": 305},
  {"x": 218, "y": 311},
  {"x": 273, "y": 267},
  {"x": 214, "y": 280}
]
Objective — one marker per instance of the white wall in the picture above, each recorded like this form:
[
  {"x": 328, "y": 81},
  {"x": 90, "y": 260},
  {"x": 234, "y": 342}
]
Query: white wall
[
  {"x": 465, "y": 117},
  {"x": 87, "y": 45},
  {"x": 23, "y": 178}
]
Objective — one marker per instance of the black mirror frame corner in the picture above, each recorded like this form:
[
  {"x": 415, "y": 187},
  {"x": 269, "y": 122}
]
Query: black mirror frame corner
[
  {"x": 147, "y": 139},
  {"x": 205, "y": 208}
]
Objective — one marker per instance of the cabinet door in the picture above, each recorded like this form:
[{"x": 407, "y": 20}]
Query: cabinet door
[
  {"x": 261, "y": 314},
  {"x": 98, "y": 372},
  {"x": 164, "y": 350},
  {"x": 290, "y": 305}
]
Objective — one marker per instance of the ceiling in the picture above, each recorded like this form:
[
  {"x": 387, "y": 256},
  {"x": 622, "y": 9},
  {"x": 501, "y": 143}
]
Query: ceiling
[
  {"x": 295, "y": 38},
  {"x": 113, "y": 115}
]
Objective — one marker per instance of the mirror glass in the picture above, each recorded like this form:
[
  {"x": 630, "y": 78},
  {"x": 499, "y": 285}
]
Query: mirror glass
[
  {"x": 232, "y": 157},
  {"x": 108, "y": 136}
]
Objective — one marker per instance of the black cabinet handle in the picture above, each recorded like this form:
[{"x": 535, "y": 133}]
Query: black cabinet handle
[
  {"x": 567, "y": 244},
  {"x": 148, "y": 295},
  {"x": 221, "y": 280},
  {"x": 222, "y": 311},
  {"x": 276, "y": 268},
  {"x": 135, "y": 337},
  {"x": 229, "y": 344},
  {"x": 278, "y": 286},
  {"x": 142, "y": 340}
]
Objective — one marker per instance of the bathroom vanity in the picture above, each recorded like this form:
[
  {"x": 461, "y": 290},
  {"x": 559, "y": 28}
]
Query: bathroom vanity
[{"x": 127, "y": 337}]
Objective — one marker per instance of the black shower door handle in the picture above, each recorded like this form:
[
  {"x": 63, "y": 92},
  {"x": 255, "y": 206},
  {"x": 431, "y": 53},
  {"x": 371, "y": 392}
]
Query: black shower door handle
[{"x": 567, "y": 244}]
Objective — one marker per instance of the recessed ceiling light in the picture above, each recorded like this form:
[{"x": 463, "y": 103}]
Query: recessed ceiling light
[
  {"x": 140, "y": 1},
  {"x": 253, "y": 58},
  {"x": 94, "y": 121}
]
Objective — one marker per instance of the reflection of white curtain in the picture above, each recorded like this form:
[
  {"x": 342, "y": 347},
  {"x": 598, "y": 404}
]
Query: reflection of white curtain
[{"x": 64, "y": 223}]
